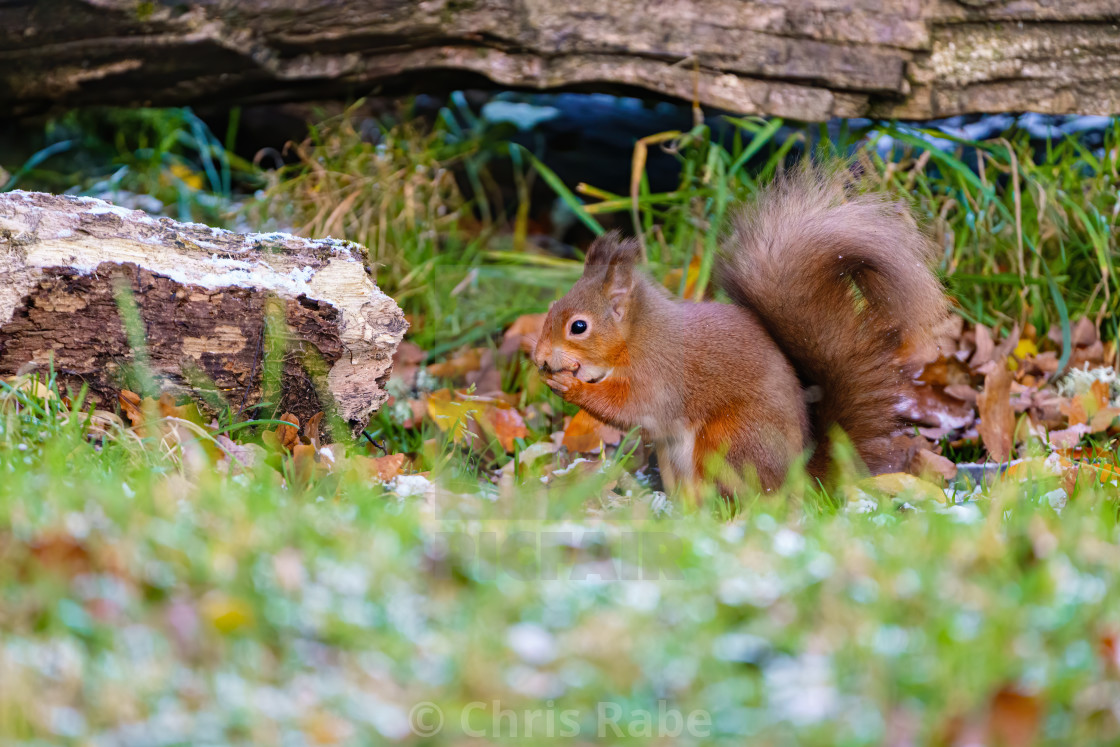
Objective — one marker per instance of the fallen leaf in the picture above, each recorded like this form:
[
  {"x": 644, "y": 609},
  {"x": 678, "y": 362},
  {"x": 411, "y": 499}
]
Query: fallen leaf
[
  {"x": 227, "y": 614},
  {"x": 926, "y": 463},
  {"x": 1102, "y": 419},
  {"x": 900, "y": 484},
  {"x": 963, "y": 392},
  {"x": 487, "y": 379},
  {"x": 1067, "y": 438},
  {"x": 406, "y": 363},
  {"x": 1013, "y": 718},
  {"x": 303, "y": 464},
  {"x": 130, "y": 406},
  {"x": 945, "y": 372},
  {"x": 522, "y": 334},
  {"x": 931, "y": 406},
  {"x": 167, "y": 408},
  {"x": 985, "y": 346},
  {"x": 526, "y": 324},
  {"x": 1025, "y": 348},
  {"x": 288, "y": 435},
  {"x": 387, "y": 467},
  {"x": 672, "y": 281},
  {"x": 450, "y": 413},
  {"x": 997, "y": 419},
  {"x": 311, "y": 429},
  {"x": 466, "y": 360},
  {"x": 586, "y": 434},
  {"x": 506, "y": 424}
]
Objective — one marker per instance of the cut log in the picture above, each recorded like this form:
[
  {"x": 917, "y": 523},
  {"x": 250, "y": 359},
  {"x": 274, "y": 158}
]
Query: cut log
[
  {"x": 804, "y": 59},
  {"x": 201, "y": 297}
]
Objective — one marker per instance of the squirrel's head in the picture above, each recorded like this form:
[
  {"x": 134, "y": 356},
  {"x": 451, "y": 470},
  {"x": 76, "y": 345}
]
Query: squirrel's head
[{"x": 585, "y": 332}]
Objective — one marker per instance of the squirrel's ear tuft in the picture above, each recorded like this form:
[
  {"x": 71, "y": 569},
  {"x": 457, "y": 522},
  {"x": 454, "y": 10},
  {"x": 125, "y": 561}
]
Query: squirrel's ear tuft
[
  {"x": 626, "y": 252},
  {"x": 601, "y": 250},
  {"x": 620, "y": 277}
]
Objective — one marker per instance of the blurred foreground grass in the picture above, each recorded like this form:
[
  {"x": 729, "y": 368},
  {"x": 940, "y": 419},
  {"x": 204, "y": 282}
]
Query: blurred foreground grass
[{"x": 147, "y": 597}]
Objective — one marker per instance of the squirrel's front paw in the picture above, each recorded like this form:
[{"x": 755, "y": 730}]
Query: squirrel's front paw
[{"x": 561, "y": 382}]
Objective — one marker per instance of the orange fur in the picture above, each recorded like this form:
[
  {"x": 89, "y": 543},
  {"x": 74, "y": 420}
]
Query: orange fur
[{"x": 826, "y": 283}]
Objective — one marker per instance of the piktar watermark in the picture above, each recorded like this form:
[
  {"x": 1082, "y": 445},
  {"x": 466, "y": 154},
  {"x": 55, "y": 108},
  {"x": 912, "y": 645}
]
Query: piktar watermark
[
  {"x": 607, "y": 720},
  {"x": 559, "y": 555}
]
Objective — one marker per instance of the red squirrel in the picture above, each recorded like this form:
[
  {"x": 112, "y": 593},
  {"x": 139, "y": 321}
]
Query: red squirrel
[{"x": 827, "y": 285}]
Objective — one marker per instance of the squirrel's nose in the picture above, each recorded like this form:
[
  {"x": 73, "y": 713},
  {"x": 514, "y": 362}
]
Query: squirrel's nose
[{"x": 540, "y": 355}]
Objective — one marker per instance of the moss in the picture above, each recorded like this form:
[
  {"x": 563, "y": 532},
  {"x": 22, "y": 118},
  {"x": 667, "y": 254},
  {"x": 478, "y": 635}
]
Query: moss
[{"x": 145, "y": 10}]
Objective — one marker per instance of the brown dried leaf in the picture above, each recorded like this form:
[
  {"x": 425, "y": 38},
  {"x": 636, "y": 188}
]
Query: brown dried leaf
[
  {"x": 997, "y": 419},
  {"x": 926, "y": 464},
  {"x": 522, "y": 334},
  {"x": 131, "y": 407},
  {"x": 311, "y": 429},
  {"x": 303, "y": 464},
  {"x": 963, "y": 392},
  {"x": 944, "y": 372},
  {"x": 406, "y": 363},
  {"x": 930, "y": 405},
  {"x": 487, "y": 380},
  {"x": 985, "y": 346},
  {"x": 466, "y": 360},
  {"x": 287, "y": 436},
  {"x": 585, "y": 434}
]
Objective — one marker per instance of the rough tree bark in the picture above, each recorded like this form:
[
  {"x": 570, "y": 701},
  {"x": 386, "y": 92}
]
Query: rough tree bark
[
  {"x": 203, "y": 296},
  {"x": 805, "y": 59}
]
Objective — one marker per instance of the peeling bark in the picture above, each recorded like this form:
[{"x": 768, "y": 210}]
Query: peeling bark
[
  {"x": 202, "y": 295},
  {"x": 804, "y": 59}
]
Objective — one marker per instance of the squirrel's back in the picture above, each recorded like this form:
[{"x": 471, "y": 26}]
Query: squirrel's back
[{"x": 840, "y": 279}]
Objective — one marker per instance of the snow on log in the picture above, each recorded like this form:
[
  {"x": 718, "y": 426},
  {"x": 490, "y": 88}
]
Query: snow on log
[{"x": 203, "y": 295}]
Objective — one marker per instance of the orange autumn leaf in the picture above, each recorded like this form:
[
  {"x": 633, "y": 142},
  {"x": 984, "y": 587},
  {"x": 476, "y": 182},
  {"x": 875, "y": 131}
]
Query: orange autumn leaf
[
  {"x": 189, "y": 411},
  {"x": 382, "y": 468},
  {"x": 287, "y": 436},
  {"x": 311, "y": 429},
  {"x": 997, "y": 418},
  {"x": 506, "y": 424},
  {"x": 130, "y": 406},
  {"x": 526, "y": 324},
  {"x": 672, "y": 280},
  {"x": 585, "y": 433}
]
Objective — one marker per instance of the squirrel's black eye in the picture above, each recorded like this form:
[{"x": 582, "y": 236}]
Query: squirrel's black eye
[{"x": 579, "y": 327}]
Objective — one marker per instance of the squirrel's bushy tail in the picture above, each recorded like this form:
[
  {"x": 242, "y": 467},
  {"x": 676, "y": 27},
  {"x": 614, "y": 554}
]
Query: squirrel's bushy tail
[{"x": 840, "y": 279}]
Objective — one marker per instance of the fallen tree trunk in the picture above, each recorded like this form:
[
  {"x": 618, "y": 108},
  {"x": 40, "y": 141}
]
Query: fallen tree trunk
[
  {"x": 70, "y": 265},
  {"x": 804, "y": 59}
]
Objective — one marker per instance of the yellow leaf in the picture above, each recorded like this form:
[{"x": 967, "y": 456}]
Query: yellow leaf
[
  {"x": 1024, "y": 348},
  {"x": 448, "y": 413},
  {"x": 899, "y": 484},
  {"x": 189, "y": 176},
  {"x": 226, "y": 613}
]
